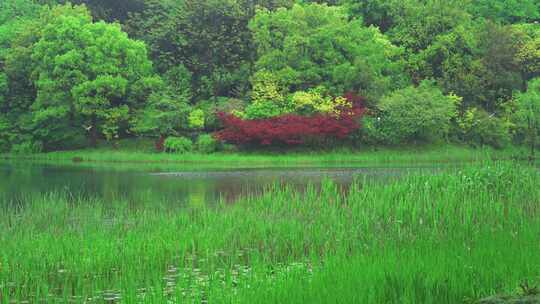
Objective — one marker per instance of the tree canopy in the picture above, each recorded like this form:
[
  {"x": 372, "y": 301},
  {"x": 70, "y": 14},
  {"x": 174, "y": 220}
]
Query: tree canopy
[{"x": 75, "y": 74}]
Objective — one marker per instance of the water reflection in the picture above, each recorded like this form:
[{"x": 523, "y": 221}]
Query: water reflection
[{"x": 183, "y": 186}]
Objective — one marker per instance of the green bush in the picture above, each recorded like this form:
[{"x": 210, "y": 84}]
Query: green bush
[
  {"x": 196, "y": 119},
  {"x": 228, "y": 148},
  {"x": 414, "y": 114},
  {"x": 4, "y": 146},
  {"x": 479, "y": 128},
  {"x": 178, "y": 145},
  {"x": 5, "y": 134},
  {"x": 206, "y": 143},
  {"x": 371, "y": 132},
  {"x": 75, "y": 141},
  {"x": 27, "y": 147}
]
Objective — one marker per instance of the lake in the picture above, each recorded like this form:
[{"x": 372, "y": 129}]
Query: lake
[{"x": 174, "y": 184}]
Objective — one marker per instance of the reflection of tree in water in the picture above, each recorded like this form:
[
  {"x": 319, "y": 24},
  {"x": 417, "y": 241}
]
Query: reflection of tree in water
[{"x": 170, "y": 190}]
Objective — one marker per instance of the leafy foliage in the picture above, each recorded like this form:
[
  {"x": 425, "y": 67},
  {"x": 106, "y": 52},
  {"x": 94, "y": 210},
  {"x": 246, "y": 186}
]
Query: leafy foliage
[
  {"x": 178, "y": 145},
  {"x": 317, "y": 45},
  {"x": 206, "y": 143},
  {"x": 528, "y": 54},
  {"x": 196, "y": 119},
  {"x": 290, "y": 129},
  {"x": 268, "y": 97},
  {"x": 507, "y": 11},
  {"x": 478, "y": 127},
  {"x": 420, "y": 113},
  {"x": 67, "y": 81},
  {"x": 314, "y": 101},
  {"x": 208, "y": 37},
  {"x": 26, "y": 147},
  {"x": 418, "y": 23},
  {"x": 87, "y": 74},
  {"x": 528, "y": 113}
]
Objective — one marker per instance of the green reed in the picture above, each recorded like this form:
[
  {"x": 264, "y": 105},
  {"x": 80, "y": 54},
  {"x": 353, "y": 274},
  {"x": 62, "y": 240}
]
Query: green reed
[
  {"x": 447, "y": 238},
  {"x": 363, "y": 157}
]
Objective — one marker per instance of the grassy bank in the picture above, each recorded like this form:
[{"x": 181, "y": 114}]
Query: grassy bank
[
  {"x": 368, "y": 156},
  {"x": 445, "y": 238}
]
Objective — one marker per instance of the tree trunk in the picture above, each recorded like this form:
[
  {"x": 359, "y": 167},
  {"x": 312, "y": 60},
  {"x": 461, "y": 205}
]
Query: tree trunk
[
  {"x": 160, "y": 143},
  {"x": 93, "y": 132},
  {"x": 533, "y": 145},
  {"x": 532, "y": 134}
]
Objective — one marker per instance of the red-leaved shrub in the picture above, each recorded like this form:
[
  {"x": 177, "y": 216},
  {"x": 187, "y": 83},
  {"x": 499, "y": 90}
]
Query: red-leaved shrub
[
  {"x": 290, "y": 129},
  {"x": 160, "y": 143}
]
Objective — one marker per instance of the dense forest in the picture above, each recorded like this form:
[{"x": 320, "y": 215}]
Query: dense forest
[{"x": 197, "y": 74}]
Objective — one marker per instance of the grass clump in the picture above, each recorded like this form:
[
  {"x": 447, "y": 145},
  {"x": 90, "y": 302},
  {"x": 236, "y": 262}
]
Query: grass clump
[{"x": 445, "y": 238}]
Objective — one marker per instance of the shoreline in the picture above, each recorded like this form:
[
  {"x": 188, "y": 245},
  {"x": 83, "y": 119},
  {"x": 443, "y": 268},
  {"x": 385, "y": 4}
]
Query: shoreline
[{"x": 375, "y": 156}]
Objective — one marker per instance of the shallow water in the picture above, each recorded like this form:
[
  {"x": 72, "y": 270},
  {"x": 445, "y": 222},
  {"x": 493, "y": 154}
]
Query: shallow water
[{"x": 175, "y": 185}]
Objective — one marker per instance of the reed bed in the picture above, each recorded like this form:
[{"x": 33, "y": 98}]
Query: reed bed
[{"x": 451, "y": 237}]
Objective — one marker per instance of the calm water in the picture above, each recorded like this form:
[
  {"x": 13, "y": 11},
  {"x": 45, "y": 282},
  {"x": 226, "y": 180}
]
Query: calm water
[{"x": 177, "y": 185}]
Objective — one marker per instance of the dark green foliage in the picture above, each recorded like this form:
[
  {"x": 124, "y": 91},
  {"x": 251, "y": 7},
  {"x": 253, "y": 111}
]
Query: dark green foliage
[
  {"x": 6, "y": 135},
  {"x": 209, "y": 37},
  {"x": 476, "y": 61},
  {"x": 528, "y": 114},
  {"x": 498, "y": 47},
  {"x": 380, "y": 13},
  {"x": 27, "y": 147},
  {"x": 110, "y": 10},
  {"x": 507, "y": 11},
  {"x": 163, "y": 115}
]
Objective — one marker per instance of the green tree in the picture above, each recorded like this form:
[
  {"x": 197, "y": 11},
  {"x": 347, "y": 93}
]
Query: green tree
[
  {"x": 506, "y": 11},
  {"x": 208, "y": 37},
  {"x": 167, "y": 109},
  {"x": 18, "y": 31},
  {"x": 528, "y": 55},
  {"x": 315, "y": 45},
  {"x": 418, "y": 22},
  {"x": 478, "y": 127},
  {"x": 476, "y": 61},
  {"x": 108, "y": 10},
  {"x": 528, "y": 113},
  {"x": 454, "y": 60},
  {"x": 11, "y": 11},
  {"x": 87, "y": 74},
  {"x": 499, "y": 46},
  {"x": 163, "y": 116},
  {"x": 380, "y": 13}
]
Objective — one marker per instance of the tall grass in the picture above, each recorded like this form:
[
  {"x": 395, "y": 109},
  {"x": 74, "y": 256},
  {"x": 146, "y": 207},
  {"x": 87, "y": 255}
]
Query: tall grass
[{"x": 445, "y": 238}]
